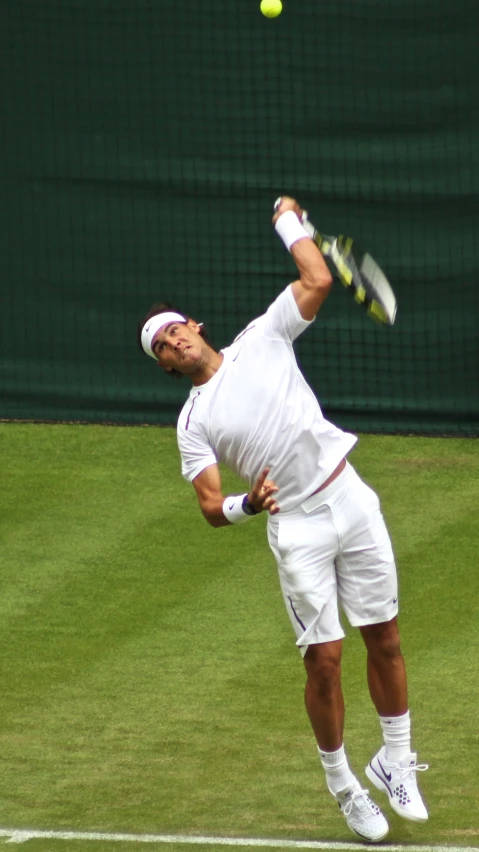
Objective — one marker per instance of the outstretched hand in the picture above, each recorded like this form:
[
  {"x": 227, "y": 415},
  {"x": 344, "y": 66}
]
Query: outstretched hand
[{"x": 261, "y": 496}]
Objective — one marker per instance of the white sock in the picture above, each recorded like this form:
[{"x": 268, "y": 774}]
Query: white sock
[
  {"x": 397, "y": 737},
  {"x": 338, "y": 774}
]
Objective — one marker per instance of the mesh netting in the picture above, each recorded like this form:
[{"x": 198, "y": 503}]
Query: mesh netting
[{"x": 144, "y": 144}]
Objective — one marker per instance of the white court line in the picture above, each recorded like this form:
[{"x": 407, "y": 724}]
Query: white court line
[{"x": 23, "y": 835}]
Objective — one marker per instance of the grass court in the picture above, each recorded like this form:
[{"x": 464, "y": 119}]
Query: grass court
[{"x": 150, "y": 682}]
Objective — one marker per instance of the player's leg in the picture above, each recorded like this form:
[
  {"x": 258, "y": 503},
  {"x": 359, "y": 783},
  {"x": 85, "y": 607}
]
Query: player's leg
[
  {"x": 323, "y": 694},
  {"x": 394, "y": 768},
  {"x": 386, "y": 669},
  {"x": 367, "y": 586},
  {"x": 305, "y": 546},
  {"x": 325, "y": 707}
]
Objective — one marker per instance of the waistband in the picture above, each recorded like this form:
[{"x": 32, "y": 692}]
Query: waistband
[{"x": 315, "y": 500}]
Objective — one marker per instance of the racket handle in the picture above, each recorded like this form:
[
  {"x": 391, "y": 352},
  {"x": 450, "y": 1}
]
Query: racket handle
[
  {"x": 308, "y": 226},
  {"x": 325, "y": 244}
]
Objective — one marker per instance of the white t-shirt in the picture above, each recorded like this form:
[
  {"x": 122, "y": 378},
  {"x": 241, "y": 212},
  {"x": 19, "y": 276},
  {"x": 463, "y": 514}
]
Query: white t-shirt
[{"x": 258, "y": 411}]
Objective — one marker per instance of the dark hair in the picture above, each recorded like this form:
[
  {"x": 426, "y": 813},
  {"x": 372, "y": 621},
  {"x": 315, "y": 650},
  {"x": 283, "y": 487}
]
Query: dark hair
[{"x": 159, "y": 308}]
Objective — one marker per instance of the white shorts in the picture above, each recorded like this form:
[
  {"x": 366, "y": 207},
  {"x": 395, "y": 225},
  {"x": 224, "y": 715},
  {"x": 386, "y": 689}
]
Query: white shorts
[{"x": 334, "y": 550}]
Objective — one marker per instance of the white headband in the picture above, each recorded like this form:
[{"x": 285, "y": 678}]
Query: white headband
[{"x": 152, "y": 327}]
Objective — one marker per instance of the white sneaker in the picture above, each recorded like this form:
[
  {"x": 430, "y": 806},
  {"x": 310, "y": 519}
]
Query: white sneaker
[
  {"x": 399, "y": 781},
  {"x": 361, "y": 814}
]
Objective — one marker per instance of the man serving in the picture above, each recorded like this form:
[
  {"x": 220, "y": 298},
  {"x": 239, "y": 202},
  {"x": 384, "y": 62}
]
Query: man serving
[{"x": 251, "y": 408}]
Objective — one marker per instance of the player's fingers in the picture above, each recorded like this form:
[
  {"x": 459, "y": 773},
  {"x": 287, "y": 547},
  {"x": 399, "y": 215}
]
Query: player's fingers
[
  {"x": 267, "y": 496},
  {"x": 259, "y": 484},
  {"x": 284, "y": 201},
  {"x": 261, "y": 495},
  {"x": 255, "y": 495},
  {"x": 269, "y": 485},
  {"x": 268, "y": 502},
  {"x": 282, "y": 210}
]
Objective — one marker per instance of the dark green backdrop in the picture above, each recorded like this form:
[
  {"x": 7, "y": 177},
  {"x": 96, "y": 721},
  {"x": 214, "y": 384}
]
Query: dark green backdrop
[{"x": 143, "y": 145}]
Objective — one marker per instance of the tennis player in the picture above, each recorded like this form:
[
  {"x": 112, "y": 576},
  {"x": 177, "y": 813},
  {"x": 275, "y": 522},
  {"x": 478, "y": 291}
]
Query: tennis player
[{"x": 251, "y": 408}]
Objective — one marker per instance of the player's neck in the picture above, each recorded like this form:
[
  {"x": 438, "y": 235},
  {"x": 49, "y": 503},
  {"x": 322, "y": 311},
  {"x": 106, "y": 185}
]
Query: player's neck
[{"x": 207, "y": 369}]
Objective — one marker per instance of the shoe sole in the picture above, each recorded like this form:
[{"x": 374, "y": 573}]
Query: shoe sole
[
  {"x": 369, "y": 839},
  {"x": 364, "y": 836},
  {"x": 383, "y": 787}
]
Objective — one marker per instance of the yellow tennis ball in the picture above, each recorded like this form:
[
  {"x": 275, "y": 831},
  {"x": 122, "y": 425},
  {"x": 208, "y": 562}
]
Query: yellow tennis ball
[{"x": 271, "y": 8}]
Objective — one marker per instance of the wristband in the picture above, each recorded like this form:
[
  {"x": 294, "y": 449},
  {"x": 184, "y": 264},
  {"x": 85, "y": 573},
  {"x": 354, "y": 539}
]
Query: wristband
[
  {"x": 290, "y": 229},
  {"x": 248, "y": 508},
  {"x": 237, "y": 509}
]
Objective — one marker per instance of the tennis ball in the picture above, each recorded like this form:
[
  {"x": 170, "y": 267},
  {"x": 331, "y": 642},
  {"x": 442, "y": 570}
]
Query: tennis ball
[{"x": 271, "y": 8}]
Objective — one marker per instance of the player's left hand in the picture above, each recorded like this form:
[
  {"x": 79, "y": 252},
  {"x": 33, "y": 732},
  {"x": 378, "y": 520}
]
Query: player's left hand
[
  {"x": 284, "y": 203},
  {"x": 261, "y": 496}
]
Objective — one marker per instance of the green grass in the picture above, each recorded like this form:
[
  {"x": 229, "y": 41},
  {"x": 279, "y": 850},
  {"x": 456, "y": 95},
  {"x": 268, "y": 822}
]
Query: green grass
[{"x": 150, "y": 681}]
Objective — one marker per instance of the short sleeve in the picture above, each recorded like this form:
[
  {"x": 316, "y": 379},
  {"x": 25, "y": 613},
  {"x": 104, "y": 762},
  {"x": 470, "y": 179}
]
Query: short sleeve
[
  {"x": 282, "y": 319},
  {"x": 196, "y": 453}
]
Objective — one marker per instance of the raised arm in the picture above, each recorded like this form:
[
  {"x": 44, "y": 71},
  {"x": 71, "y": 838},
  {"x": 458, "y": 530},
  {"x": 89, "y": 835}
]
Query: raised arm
[
  {"x": 314, "y": 283},
  {"x": 212, "y": 501}
]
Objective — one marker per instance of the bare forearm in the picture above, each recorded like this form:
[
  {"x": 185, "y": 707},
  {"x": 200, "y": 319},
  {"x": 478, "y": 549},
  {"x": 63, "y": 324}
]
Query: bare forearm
[
  {"x": 314, "y": 283},
  {"x": 311, "y": 264},
  {"x": 221, "y": 511},
  {"x": 213, "y": 513},
  {"x": 313, "y": 287}
]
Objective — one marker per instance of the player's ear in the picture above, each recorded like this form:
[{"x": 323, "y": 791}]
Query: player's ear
[{"x": 194, "y": 325}]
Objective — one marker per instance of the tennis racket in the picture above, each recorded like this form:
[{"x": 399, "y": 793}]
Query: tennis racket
[{"x": 359, "y": 273}]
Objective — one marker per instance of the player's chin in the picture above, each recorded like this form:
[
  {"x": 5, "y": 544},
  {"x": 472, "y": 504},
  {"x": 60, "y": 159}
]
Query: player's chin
[{"x": 190, "y": 362}]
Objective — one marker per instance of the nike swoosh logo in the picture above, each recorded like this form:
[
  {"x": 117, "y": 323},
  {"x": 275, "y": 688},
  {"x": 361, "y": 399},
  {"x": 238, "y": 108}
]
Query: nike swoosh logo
[
  {"x": 387, "y": 775},
  {"x": 232, "y": 506}
]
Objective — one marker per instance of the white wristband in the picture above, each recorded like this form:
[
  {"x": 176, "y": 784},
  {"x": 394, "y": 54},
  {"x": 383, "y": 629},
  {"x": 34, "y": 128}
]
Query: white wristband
[
  {"x": 290, "y": 229},
  {"x": 233, "y": 509}
]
